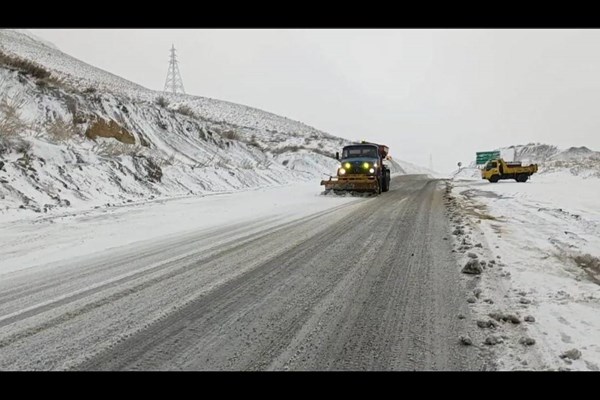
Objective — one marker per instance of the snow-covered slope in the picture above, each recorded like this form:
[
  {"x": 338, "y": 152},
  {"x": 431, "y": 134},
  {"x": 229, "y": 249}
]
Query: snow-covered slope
[{"x": 73, "y": 135}]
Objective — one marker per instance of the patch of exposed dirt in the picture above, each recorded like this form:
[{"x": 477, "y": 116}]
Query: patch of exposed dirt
[
  {"x": 470, "y": 193},
  {"x": 479, "y": 211},
  {"x": 100, "y": 128},
  {"x": 590, "y": 264}
]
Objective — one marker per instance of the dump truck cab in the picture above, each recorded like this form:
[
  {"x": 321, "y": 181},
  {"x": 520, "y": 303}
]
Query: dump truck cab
[{"x": 361, "y": 169}]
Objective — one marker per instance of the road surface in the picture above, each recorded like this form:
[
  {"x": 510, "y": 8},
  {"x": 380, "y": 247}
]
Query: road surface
[{"x": 368, "y": 285}]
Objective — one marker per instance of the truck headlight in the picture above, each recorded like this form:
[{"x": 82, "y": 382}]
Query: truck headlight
[
  {"x": 366, "y": 165},
  {"x": 347, "y": 165},
  {"x": 372, "y": 171},
  {"x": 342, "y": 171}
]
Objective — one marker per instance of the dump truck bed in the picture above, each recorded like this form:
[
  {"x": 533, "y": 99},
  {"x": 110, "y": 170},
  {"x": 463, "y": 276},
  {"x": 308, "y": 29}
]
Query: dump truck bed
[{"x": 530, "y": 169}]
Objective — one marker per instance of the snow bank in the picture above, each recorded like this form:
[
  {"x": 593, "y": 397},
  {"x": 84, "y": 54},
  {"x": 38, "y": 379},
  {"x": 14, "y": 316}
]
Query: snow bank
[
  {"x": 545, "y": 237},
  {"x": 37, "y": 242}
]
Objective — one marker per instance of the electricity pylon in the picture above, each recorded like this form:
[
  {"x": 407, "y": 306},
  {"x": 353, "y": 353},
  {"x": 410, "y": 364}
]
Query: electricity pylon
[{"x": 174, "y": 83}]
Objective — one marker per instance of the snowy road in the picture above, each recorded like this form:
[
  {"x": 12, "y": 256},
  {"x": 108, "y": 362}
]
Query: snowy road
[{"x": 360, "y": 284}]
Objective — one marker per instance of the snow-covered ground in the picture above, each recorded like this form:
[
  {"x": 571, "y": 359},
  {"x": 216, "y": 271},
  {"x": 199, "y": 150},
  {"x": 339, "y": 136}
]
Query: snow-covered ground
[
  {"x": 41, "y": 241},
  {"x": 543, "y": 238}
]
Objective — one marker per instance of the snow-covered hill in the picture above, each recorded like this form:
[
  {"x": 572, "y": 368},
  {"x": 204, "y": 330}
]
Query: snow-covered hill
[{"x": 73, "y": 135}]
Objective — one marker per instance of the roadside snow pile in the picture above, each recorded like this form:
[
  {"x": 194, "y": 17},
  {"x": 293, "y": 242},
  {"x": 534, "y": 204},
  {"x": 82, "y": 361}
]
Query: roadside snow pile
[
  {"x": 307, "y": 162},
  {"x": 539, "y": 249},
  {"x": 470, "y": 172},
  {"x": 67, "y": 235}
]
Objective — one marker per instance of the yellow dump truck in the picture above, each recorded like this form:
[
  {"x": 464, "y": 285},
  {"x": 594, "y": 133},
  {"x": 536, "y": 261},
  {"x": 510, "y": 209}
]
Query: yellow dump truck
[{"x": 498, "y": 169}]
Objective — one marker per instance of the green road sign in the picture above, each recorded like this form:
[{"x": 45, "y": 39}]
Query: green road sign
[{"x": 484, "y": 156}]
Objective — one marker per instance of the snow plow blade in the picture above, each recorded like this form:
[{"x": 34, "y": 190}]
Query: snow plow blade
[{"x": 357, "y": 183}]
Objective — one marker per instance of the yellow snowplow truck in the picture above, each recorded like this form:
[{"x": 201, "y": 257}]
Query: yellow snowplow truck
[
  {"x": 361, "y": 170},
  {"x": 498, "y": 169}
]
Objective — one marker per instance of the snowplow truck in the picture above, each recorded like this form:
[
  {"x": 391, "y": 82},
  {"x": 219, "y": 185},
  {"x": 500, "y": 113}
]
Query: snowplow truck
[
  {"x": 361, "y": 170},
  {"x": 498, "y": 169}
]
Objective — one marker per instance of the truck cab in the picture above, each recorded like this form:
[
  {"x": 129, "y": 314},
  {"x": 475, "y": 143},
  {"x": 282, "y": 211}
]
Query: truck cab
[
  {"x": 361, "y": 169},
  {"x": 359, "y": 159},
  {"x": 489, "y": 169}
]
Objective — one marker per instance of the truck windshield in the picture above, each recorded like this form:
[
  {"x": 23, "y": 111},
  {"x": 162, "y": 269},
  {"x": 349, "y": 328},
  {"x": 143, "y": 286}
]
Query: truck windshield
[
  {"x": 366, "y": 151},
  {"x": 490, "y": 166}
]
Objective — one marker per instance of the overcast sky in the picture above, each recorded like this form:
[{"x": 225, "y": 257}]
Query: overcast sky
[{"x": 445, "y": 93}]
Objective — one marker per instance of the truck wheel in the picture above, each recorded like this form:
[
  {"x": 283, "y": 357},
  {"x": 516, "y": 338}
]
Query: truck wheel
[
  {"x": 494, "y": 178},
  {"x": 522, "y": 178},
  {"x": 388, "y": 179},
  {"x": 386, "y": 182}
]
